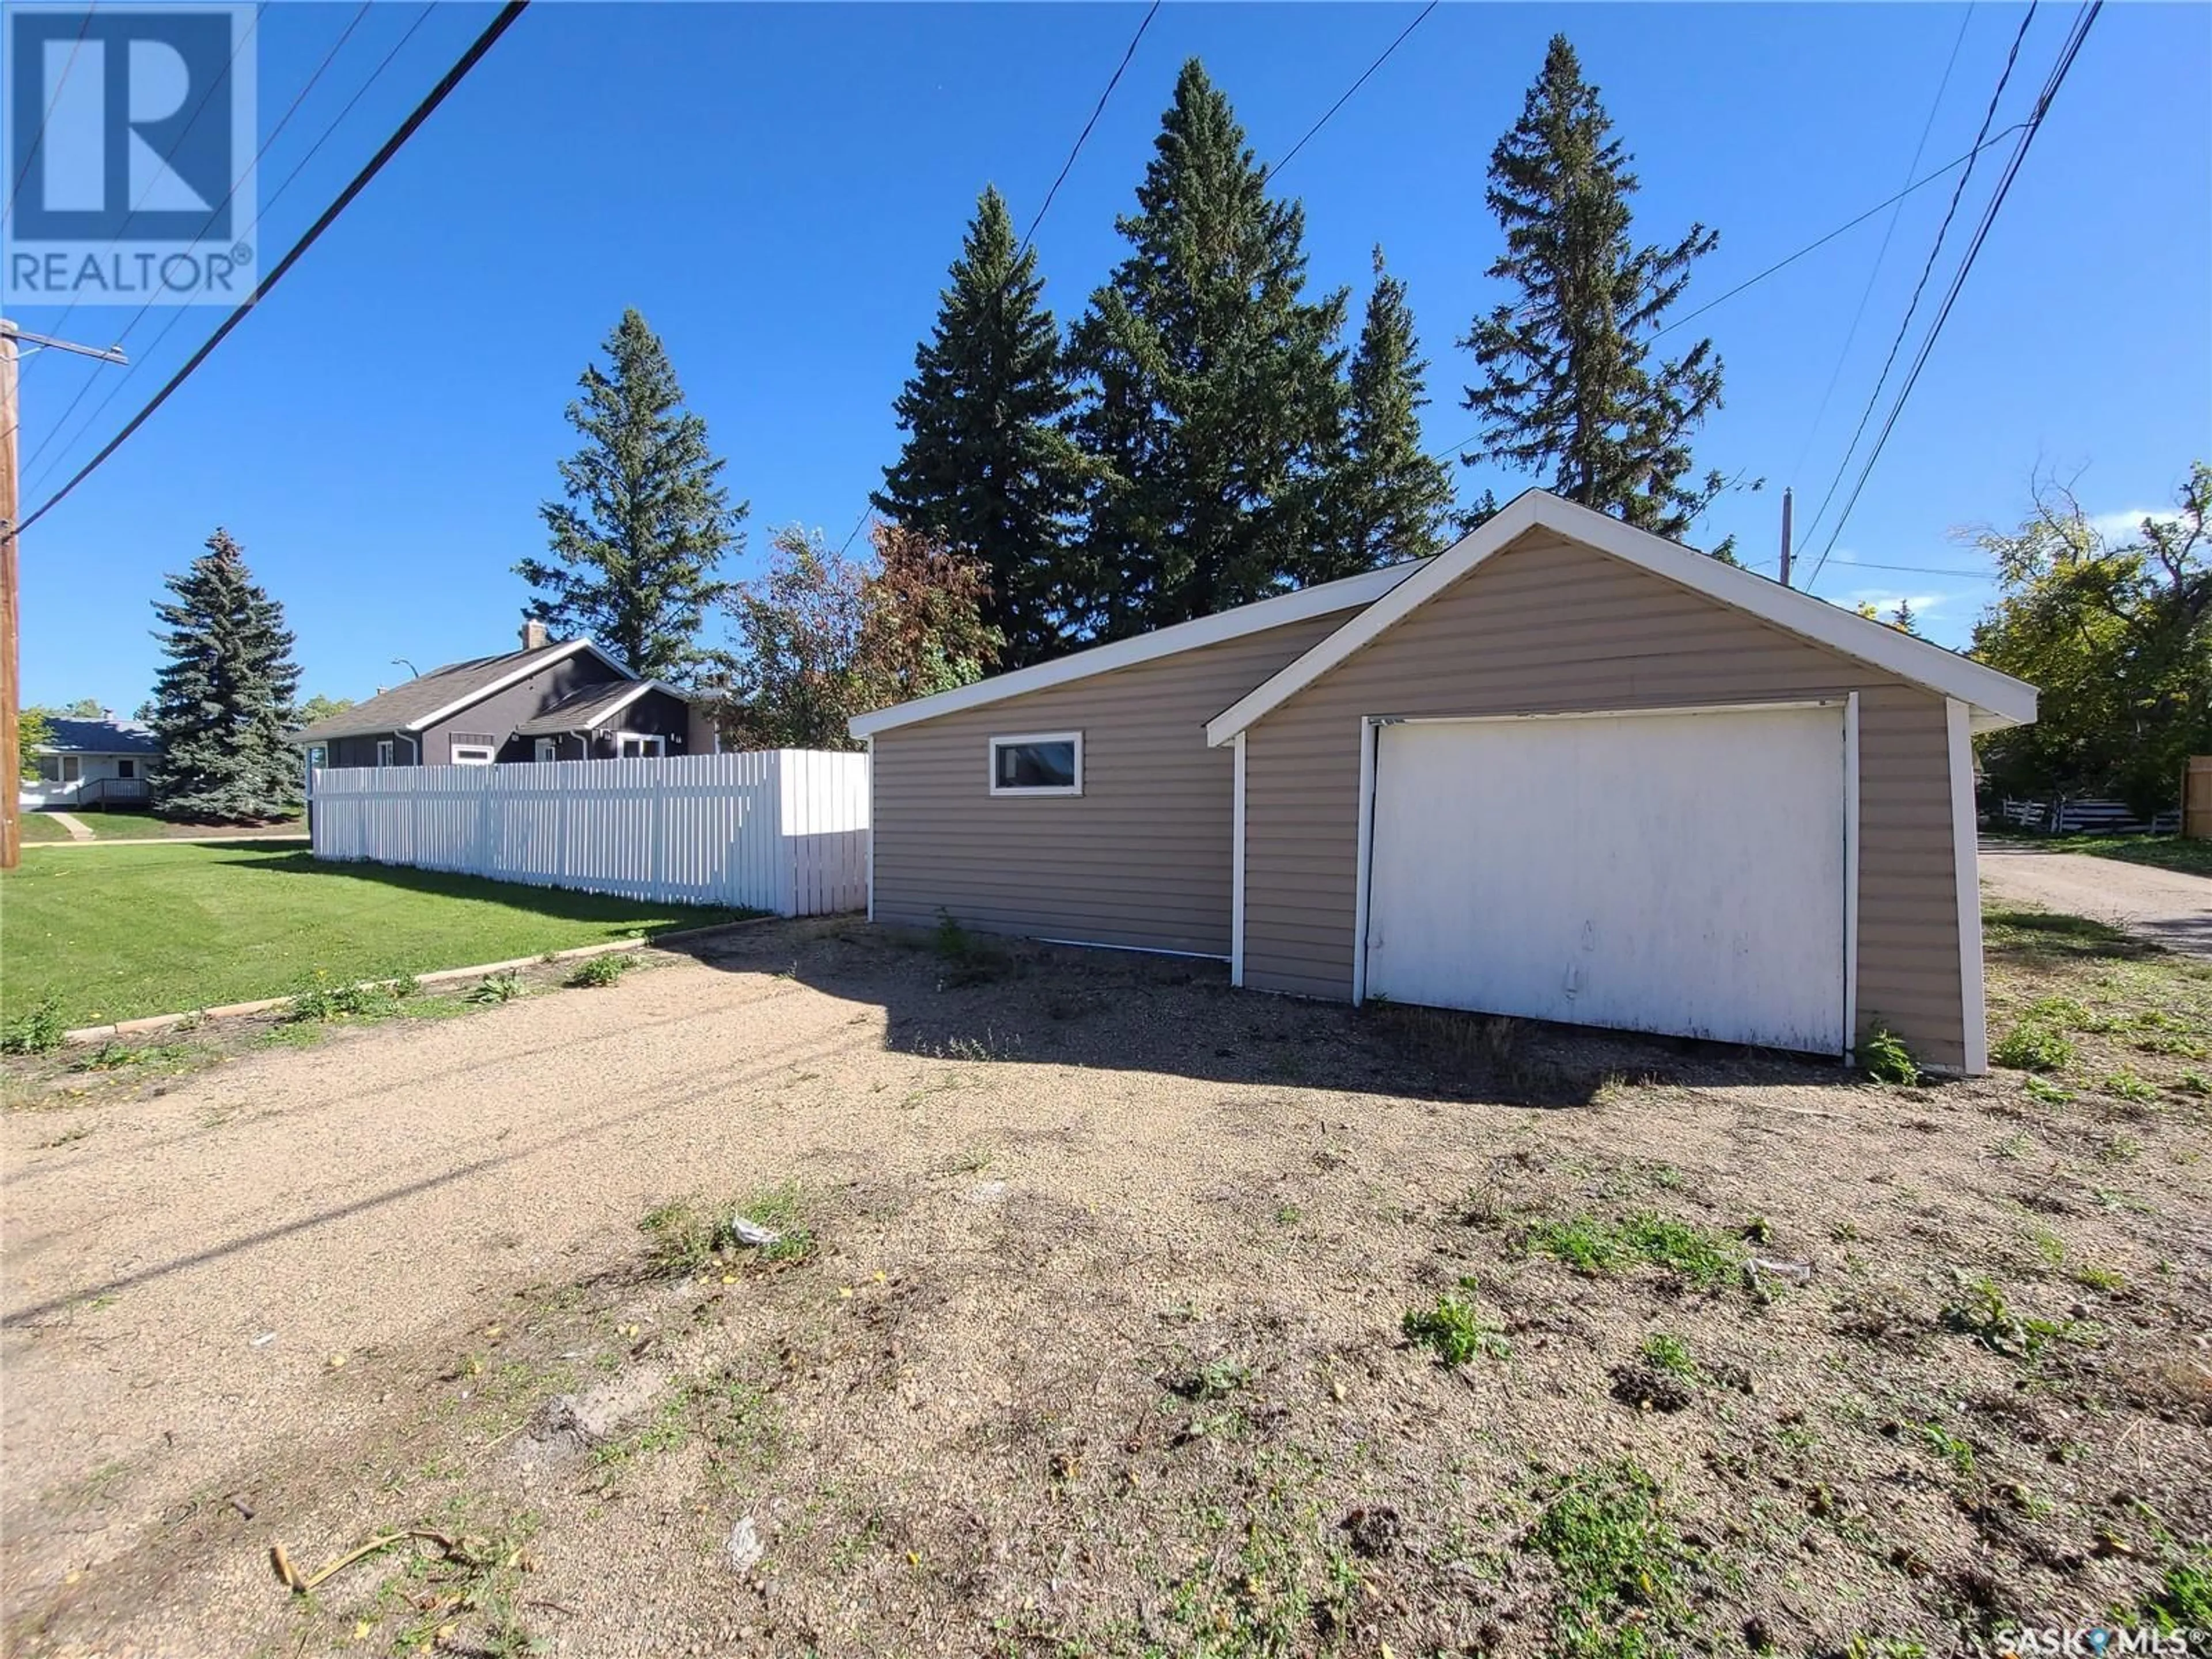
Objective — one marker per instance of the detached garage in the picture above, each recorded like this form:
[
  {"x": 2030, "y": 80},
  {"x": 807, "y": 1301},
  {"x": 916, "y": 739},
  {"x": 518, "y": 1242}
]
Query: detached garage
[{"x": 1565, "y": 770}]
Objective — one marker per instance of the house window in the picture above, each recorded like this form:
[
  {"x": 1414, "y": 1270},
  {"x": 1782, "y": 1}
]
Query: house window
[
  {"x": 641, "y": 744},
  {"x": 549, "y": 749},
  {"x": 384, "y": 751},
  {"x": 72, "y": 768},
  {"x": 124, "y": 768},
  {"x": 473, "y": 754},
  {"x": 1047, "y": 763}
]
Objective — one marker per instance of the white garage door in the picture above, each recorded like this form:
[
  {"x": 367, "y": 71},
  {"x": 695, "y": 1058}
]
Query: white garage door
[{"x": 1678, "y": 872}]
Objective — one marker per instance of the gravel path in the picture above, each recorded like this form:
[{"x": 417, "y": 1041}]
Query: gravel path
[{"x": 2165, "y": 906}]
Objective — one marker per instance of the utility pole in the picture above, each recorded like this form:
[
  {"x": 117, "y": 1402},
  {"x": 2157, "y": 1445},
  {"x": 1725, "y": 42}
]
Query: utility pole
[
  {"x": 11, "y": 777},
  {"x": 1785, "y": 535}
]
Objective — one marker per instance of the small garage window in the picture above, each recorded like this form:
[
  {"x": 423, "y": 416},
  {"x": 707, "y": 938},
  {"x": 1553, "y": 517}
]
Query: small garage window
[
  {"x": 1040, "y": 763},
  {"x": 473, "y": 754}
]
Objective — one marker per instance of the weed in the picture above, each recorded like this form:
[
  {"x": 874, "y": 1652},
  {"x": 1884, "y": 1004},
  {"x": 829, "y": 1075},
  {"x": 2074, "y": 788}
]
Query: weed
[
  {"x": 2184, "y": 1600},
  {"x": 318, "y": 1001},
  {"x": 683, "y": 1235},
  {"x": 1757, "y": 1230},
  {"x": 665, "y": 1430},
  {"x": 2111, "y": 1281},
  {"x": 1587, "y": 1245},
  {"x": 967, "y": 960},
  {"x": 1592, "y": 1246},
  {"x": 2049, "y": 1093},
  {"x": 2124, "y": 1085},
  {"x": 1670, "y": 1353},
  {"x": 1695, "y": 1253},
  {"x": 1215, "y": 1379},
  {"x": 1982, "y": 1313},
  {"x": 2031, "y": 1048},
  {"x": 2061, "y": 1014},
  {"x": 596, "y": 972},
  {"x": 1622, "y": 1565},
  {"x": 1455, "y": 1331},
  {"x": 1886, "y": 1059},
  {"x": 2194, "y": 1083},
  {"x": 1288, "y": 1215},
  {"x": 68, "y": 1137},
  {"x": 2049, "y": 1246},
  {"x": 1957, "y": 1453},
  {"x": 2017, "y": 1144},
  {"x": 38, "y": 1032},
  {"x": 2119, "y": 1149},
  {"x": 680, "y": 1236},
  {"x": 502, "y": 986}
]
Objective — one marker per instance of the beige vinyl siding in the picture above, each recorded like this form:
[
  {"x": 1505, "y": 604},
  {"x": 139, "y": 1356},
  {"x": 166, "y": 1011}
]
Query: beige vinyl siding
[
  {"x": 1141, "y": 858},
  {"x": 1550, "y": 625}
]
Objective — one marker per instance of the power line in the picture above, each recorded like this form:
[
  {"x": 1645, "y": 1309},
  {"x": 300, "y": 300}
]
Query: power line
[
  {"x": 391, "y": 146},
  {"x": 1813, "y": 246},
  {"x": 1354, "y": 86},
  {"x": 127, "y": 328},
  {"x": 1966, "y": 160},
  {"x": 1927, "y": 269},
  {"x": 52, "y": 99},
  {"x": 1083, "y": 137},
  {"x": 2083, "y": 21},
  {"x": 1852, "y": 334},
  {"x": 177, "y": 313}
]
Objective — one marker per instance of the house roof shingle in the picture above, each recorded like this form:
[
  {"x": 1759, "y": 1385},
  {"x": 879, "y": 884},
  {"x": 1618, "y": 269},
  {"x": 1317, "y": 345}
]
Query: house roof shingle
[
  {"x": 405, "y": 706},
  {"x": 583, "y": 709},
  {"x": 77, "y": 737}
]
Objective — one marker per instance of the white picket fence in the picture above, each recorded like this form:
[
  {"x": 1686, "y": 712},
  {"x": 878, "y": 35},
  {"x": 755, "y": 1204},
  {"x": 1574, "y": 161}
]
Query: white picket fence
[{"x": 781, "y": 830}]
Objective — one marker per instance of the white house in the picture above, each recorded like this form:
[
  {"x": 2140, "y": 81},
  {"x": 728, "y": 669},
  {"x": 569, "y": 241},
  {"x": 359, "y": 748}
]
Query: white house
[{"x": 101, "y": 763}]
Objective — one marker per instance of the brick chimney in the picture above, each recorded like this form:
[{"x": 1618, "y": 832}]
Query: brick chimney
[{"x": 534, "y": 635}]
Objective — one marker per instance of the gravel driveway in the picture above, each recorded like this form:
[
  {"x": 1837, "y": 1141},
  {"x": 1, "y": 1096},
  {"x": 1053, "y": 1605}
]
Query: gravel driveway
[
  {"x": 2166, "y": 906},
  {"x": 1094, "y": 1334}
]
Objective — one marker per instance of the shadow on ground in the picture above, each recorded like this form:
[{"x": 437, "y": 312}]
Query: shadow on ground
[{"x": 980, "y": 999}]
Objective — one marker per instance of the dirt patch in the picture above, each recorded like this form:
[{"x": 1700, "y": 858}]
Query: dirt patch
[{"x": 1136, "y": 1314}]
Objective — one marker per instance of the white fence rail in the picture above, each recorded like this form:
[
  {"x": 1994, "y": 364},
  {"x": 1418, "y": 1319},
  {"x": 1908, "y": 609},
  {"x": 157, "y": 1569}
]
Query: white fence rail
[
  {"x": 2065, "y": 817},
  {"x": 782, "y": 829}
]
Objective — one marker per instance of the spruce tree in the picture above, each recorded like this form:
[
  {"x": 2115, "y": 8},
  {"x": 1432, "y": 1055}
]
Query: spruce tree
[
  {"x": 1211, "y": 400},
  {"x": 987, "y": 469},
  {"x": 1570, "y": 384},
  {"x": 1388, "y": 499},
  {"x": 637, "y": 544},
  {"x": 223, "y": 703}
]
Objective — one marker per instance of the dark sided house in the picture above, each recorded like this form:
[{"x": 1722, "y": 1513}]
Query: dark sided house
[{"x": 547, "y": 701}]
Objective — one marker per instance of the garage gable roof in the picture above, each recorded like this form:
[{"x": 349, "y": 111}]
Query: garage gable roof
[
  {"x": 1996, "y": 699},
  {"x": 1346, "y": 593}
]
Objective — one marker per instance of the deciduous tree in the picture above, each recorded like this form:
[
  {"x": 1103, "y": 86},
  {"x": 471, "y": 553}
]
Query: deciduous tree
[
  {"x": 638, "y": 543},
  {"x": 821, "y": 637},
  {"x": 2116, "y": 634}
]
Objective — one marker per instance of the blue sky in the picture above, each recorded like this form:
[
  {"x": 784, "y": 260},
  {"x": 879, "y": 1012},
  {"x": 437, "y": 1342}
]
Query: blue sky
[{"x": 779, "y": 189}]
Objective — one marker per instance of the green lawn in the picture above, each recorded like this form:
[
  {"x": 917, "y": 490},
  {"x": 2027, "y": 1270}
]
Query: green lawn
[
  {"x": 2167, "y": 852},
  {"x": 40, "y": 826},
  {"x": 141, "y": 826},
  {"x": 114, "y": 933}
]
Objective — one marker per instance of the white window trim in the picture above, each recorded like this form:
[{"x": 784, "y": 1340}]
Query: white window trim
[
  {"x": 385, "y": 750},
  {"x": 474, "y": 754},
  {"x": 991, "y": 760},
  {"x": 547, "y": 749},
  {"x": 658, "y": 742}
]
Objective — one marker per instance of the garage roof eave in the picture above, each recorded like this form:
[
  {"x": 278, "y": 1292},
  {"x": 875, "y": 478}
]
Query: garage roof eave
[
  {"x": 1993, "y": 699},
  {"x": 1346, "y": 593}
]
